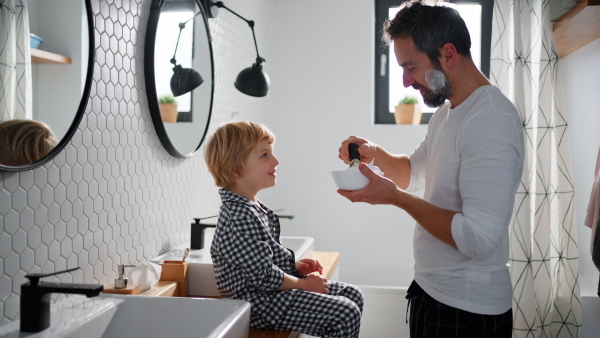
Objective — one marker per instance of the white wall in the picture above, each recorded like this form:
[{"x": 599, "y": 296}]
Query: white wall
[
  {"x": 324, "y": 74},
  {"x": 114, "y": 195},
  {"x": 580, "y": 73},
  {"x": 325, "y": 66}
]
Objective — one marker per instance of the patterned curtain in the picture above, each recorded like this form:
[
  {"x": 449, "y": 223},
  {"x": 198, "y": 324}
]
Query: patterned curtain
[
  {"x": 15, "y": 61},
  {"x": 544, "y": 256}
]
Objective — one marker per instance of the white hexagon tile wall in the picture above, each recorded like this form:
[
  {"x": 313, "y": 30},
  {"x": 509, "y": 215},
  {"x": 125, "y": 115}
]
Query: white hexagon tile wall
[{"x": 114, "y": 195}]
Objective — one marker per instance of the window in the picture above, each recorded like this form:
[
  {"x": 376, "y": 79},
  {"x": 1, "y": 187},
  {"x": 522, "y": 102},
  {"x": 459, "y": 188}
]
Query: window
[{"x": 388, "y": 75}]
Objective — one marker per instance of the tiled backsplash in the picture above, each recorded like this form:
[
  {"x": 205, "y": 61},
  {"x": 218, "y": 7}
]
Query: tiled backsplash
[{"x": 114, "y": 195}]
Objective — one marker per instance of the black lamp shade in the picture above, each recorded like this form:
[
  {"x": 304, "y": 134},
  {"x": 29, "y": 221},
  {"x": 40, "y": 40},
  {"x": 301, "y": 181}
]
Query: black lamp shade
[
  {"x": 253, "y": 81},
  {"x": 184, "y": 80}
]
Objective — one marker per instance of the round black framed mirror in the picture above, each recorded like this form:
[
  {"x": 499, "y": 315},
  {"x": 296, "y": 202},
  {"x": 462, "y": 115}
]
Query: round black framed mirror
[
  {"x": 60, "y": 76},
  {"x": 178, "y": 60}
]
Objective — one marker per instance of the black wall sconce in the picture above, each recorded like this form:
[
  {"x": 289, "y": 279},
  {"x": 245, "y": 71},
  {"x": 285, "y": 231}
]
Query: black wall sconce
[
  {"x": 184, "y": 80},
  {"x": 253, "y": 80}
]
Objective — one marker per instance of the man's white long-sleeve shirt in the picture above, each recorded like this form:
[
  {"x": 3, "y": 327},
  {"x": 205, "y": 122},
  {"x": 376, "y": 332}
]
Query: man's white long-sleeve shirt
[{"x": 470, "y": 162}]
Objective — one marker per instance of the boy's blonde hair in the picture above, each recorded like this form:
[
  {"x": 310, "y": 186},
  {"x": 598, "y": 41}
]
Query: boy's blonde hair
[
  {"x": 24, "y": 141},
  {"x": 228, "y": 148}
]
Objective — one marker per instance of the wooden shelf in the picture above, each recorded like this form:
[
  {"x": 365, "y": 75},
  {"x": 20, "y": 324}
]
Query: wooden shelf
[
  {"x": 262, "y": 333},
  {"x": 163, "y": 288},
  {"x": 578, "y": 27},
  {"x": 42, "y": 56}
]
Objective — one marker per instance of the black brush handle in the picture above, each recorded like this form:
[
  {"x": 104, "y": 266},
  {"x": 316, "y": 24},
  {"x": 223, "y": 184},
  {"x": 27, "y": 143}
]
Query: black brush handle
[{"x": 353, "y": 149}]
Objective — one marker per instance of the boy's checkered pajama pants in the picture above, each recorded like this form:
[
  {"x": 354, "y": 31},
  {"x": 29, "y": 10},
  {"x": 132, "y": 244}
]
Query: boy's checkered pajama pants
[{"x": 335, "y": 314}]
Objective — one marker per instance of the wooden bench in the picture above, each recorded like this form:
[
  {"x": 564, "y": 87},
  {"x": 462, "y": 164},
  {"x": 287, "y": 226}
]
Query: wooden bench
[
  {"x": 163, "y": 288},
  {"x": 260, "y": 333}
]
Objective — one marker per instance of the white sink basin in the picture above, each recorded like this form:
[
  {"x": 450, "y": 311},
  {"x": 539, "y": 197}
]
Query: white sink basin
[
  {"x": 300, "y": 245},
  {"x": 201, "y": 276},
  {"x": 141, "y": 317}
]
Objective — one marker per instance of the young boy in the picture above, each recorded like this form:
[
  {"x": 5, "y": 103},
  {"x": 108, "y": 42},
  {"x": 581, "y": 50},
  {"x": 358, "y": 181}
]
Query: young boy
[{"x": 249, "y": 261}]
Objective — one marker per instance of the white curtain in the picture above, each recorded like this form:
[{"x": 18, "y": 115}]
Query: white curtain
[
  {"x": 544, "y": 256},
  {"x": 15, "y": 61}
]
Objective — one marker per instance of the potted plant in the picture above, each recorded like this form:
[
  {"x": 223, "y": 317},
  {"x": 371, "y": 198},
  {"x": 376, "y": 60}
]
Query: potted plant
[
  {"x": 168, "y": 108},
  {"x": 408, "y": 110}
]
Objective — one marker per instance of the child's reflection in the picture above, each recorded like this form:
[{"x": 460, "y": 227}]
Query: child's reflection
[{"x": 24, "y": 141}]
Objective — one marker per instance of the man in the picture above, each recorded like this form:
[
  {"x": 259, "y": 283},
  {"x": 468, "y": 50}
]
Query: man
[{"x": 470, "y": 164}]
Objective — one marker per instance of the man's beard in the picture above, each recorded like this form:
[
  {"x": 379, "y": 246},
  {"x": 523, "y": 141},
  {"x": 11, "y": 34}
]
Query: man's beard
[{"x": 440, "y": 88}]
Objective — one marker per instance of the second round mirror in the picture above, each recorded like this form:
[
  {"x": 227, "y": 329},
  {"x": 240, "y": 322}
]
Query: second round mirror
[{"x": 178, "y": 43}]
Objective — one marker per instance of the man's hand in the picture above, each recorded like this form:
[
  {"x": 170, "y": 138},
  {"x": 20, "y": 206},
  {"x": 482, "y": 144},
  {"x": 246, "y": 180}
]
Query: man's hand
[
  {"x": 380, "y": 190},
  {"x": 366, "y": 149}
]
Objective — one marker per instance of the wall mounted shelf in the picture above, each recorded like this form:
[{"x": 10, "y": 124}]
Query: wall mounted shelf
[
  {"x": 42, "y": 56},
  {"x": 577, "y": 27}
]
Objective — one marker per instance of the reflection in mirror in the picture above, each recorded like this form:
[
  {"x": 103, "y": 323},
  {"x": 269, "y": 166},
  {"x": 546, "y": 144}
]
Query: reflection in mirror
[
  {"x": 173, "y": 49},
  {"x": 46, "y": 64},
  {"x": 184, "y": 80},
  {"x": 24, "y": 141},
  {"x": 178, "y": 43}
]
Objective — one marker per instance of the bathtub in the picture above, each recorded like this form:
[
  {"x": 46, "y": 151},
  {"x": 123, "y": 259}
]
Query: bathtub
[{"x": 384, "y": 289}]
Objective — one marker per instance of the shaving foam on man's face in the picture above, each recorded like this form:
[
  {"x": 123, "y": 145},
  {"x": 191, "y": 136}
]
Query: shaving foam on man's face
[
  {"x": 435, "y": 79},
  {"x": 439, "y": 88}
]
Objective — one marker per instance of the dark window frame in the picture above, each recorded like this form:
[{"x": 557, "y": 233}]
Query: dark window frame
[{"x": 382, "y": 114}]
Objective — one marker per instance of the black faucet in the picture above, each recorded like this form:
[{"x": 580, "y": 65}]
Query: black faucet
[
  {"x": 35, "y": 298},
  {"x": 197, "y": 233},
  {"x": 197, "y": 236}
]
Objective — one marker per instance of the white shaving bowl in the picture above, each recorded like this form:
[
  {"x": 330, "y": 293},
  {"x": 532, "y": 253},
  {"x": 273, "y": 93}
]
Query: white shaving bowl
[{"x": 352, "y": 178}]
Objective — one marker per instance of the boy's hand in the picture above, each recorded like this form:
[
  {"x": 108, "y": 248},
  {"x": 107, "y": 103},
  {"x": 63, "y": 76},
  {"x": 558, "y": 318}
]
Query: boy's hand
[
  {"x": 315, "y": 283},
  {"x": 307, "y": 266}
]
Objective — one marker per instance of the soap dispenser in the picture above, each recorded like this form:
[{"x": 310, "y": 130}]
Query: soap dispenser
[
  {"x": 121, "y": 281},
  {"x": 122, "y": 285}
]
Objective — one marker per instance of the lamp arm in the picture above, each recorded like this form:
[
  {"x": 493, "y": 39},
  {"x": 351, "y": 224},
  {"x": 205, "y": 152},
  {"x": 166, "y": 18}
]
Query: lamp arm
[
  {"x": 259, "y": 59},
  {"x": 250, "y": 23},
  {"x": 173, "y": 61},
  {"x": 181, "y": 27}
]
